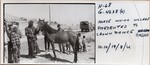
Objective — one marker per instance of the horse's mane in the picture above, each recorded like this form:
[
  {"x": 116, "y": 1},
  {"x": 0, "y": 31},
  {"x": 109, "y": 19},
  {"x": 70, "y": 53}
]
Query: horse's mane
[{"x": 49, "y": 29}]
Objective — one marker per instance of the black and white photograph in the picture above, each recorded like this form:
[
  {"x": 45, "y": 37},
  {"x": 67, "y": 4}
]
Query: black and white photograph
[{"x": 48, "y": 33}]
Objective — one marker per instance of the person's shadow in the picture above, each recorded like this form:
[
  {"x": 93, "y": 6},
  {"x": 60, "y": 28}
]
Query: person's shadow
[
  {"x": 48, "y": 56},
  {"x": 26, "y": 56}
]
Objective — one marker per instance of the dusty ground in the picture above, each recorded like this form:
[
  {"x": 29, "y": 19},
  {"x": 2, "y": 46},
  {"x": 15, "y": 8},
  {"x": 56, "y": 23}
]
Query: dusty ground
[{"x": 43, "y": 57}]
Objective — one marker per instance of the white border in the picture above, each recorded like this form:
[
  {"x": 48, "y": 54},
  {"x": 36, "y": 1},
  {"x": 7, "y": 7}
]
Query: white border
[
  {"x": 32, "y": 2},
  {"x": 46, "y": 1}
]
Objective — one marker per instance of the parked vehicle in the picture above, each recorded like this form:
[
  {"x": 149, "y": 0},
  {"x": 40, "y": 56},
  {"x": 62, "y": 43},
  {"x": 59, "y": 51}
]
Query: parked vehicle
[{"x": 86, "y": 26}]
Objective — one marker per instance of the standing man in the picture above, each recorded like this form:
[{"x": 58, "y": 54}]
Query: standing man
[
  {"x": 61, "y": 46},
  {"x": 80, "y": 42},
  {"x": 20, "y": 36},
  {"x": 18, "y": 31},
  {"x": 9, "y": 31},
  {"x": 6, "y": 38},
  {"x": 15, "y": 40},
  {"x": 84, "y": 44},
  {"x": 31, "y": 37},
  {"x": 59, "y": 28}
]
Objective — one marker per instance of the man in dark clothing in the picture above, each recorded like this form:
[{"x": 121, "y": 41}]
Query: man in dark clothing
[
  {"x": 59, "y": 28},
  {"x": 61, "y": 46},
  {"x": 31, "y": 37}
]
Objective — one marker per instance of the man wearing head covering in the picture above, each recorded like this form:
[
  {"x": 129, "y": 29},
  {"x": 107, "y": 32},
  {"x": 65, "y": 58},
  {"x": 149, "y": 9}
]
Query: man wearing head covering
[
  {"x": 18, "y": 31},
  {"x": 20, "y": 36},
  {"x": 31, "y": 37},
  {"x": 15, "y": 41}
]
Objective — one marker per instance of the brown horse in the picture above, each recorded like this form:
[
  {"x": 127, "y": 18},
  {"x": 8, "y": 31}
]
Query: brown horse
[
  {"x": 54, "y": 36},
  {"x": 47, "y": 44}
]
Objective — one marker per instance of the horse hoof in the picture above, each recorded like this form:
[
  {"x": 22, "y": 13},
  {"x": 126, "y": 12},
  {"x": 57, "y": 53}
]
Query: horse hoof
[
  {"x": 75, "y": 61},
  {"x": 54, "y": 58},
  {"x": 63, "y": 52},
  {"x": 55, "y": 61}
]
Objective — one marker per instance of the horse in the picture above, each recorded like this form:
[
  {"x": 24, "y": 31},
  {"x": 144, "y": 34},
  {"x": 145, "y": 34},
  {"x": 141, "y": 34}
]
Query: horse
[
  {"x": 53, "y": 36},
  {"x": 47, "y": 44}
]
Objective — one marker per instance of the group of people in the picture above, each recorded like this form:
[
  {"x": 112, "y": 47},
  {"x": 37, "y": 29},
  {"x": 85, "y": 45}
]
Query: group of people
[
  {"x": 12, "y": 41},
  {"x": 82, "y": 43}
]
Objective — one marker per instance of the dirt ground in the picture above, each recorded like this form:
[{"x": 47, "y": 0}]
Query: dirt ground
[{"x": 46, "y": 58}]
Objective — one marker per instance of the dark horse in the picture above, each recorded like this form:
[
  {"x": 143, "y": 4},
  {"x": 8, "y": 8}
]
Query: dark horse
[
  {"x": 47, "y": 44},
  {"x": 53, "y": 36}
]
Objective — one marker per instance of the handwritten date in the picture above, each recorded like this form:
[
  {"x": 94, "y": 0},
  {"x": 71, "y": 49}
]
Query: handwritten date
[{"x": 115, "y": 47}]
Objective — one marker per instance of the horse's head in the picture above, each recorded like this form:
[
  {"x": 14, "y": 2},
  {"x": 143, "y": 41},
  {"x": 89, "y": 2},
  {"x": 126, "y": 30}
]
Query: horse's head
[
  {"x": 40, "y": 25},
  {"x": 43, "y": 26}
]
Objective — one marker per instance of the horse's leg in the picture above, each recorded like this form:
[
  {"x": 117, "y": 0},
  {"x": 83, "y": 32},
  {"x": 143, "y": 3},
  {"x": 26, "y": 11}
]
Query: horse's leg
[
  {"x": 48, "y": 46},
  {"x": 53, "y": 48},
  {"x": 60, "y": 47},
  {"x": 75, "y": 55},
  {"x": 74, "y": 51},
  {"x": 45, "y": 41},
  {"x": 69, "y": 49},
  {"x": 63, "y": 48}
]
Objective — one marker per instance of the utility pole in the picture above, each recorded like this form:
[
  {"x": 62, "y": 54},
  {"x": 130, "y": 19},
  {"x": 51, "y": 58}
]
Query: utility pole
[{"x": 49, "y": 15}]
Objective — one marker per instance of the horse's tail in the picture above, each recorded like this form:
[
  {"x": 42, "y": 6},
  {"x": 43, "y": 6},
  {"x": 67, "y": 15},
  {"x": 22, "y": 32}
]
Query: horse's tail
[{"x": 77, "y": 43}]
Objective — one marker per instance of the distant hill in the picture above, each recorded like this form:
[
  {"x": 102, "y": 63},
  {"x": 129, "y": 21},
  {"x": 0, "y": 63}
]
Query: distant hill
[{"x": 9, "y": 17}]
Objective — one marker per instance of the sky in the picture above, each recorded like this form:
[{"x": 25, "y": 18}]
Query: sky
[{"x": 62, "y": 13}]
